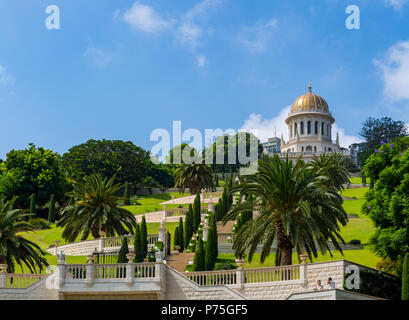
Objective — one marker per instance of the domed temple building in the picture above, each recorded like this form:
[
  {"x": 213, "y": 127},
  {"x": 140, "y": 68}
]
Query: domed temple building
[{"x": 310, "y": 131}]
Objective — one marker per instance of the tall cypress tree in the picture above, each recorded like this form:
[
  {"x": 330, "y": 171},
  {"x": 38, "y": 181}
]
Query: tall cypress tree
[
  {"x": 188, "y": 226},
  {"x": 127, "y": 197},
  {"x": 209, "y": 251},
  {"x": 137, "y": 245},
  {"x": 52, "y": 213},
  {"x": 176, "y": 237},
  {"x": 199, "y": 258},
  {"x": 32, "y": 206},
  {"x": 144, "y": 237},
  {"x": 213, "y": 225},
  {"x": 405, "y": 278},
  {"x": 181, "y": 243},
  {"x": 196, "y": 212},
  {"x": 123, "y": 251}
]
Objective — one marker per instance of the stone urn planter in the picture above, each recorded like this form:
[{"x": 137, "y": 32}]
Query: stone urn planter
[
  {"x": 130, "y": 256},
  {"x": 3, "y": 268},
  {"x": 303, "y": 258},
  {"x": 240, "y": 263},
  {"x": 90, "y": 259}
]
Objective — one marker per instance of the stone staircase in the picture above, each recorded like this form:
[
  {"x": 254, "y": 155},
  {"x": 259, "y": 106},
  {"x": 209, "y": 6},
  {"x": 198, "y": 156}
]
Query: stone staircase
[{"x": 180, "y": 260}]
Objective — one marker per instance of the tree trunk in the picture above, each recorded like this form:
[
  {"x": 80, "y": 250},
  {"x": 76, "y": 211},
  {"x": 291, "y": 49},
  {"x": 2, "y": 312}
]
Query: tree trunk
[
  {"x": 285, "y": 244},
  {"x": 95, "y": 232}
]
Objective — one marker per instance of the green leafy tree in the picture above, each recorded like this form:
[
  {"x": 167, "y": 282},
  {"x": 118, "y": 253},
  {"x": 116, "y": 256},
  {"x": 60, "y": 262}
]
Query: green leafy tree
[
  {"x": 196, "y": 212},
  {"x": 297, "y": 206},
  {"x": 95, "y": 209},
  {"x": 123, "y": 251},
  {"x": 405, "y": 278},
  {"x": 14, "y": 248},
  {"x": 122, "y": 159},
  {"x": 387, "y": 203},
  {"x": 181, "y": 243},
  {"x": 127, "y": 196},
  {"x": 199, "y": 262},
  {"x": 32, "y": 170},
  {"x": 188, "y": 226},
  {"x": 144, "y": 235},
  {"x": 224, "y": 143},
  {"x": 52, "y": 212},
  {"x": 378, "y": 130}
]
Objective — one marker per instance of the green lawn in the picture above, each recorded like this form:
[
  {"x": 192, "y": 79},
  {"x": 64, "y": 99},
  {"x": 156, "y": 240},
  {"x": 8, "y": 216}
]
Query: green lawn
[
  {"x": 52, "y": 260},
  {"x": 358, "y": 193},
  {"x": 358, "y": 180},
  {"x": 45, "y": 238},
  {"x": 151, "y": 203},
  {"x": 364, "y": 257}
]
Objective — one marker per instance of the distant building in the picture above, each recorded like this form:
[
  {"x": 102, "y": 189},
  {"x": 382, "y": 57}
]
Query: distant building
[{"x": 273, "y": 145}]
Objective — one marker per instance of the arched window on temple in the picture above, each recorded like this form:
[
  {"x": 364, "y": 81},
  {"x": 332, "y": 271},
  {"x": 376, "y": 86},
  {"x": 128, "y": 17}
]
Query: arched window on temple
[{"x": 309, "y": 127}]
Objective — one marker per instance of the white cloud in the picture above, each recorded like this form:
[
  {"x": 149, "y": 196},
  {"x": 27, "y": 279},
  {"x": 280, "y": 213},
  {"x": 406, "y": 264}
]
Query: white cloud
[
  {"x": 256, "y": 38},
  {"x": 5, "y": 77},
  {"x": 265, "y": 128},
  {"x": 98, "y": 57},
  {"x": 345, "y": 140},
  {"x": 145, "y": 18},
  {"x": 394, "y": 68},
  {"x": 189, "y": 32},
  {"x": 202, "y": 61},
  {"x": 395, "y": 4}
]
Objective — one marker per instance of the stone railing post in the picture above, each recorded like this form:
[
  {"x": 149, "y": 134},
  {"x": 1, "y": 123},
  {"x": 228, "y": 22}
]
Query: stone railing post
[
  {"x": 57, "y": 242},
  {"x": 3, "y": 276},
  {"x": 205, "y": 229},
  {"x": 130, "y": 273},
  {"x": 240, "y": 278},
  {"x": 60, "y": 274},
  {"x": 164, "y": 213},
  {"x": 303, "y": 269},
  {"x": 162, "y": 235},
  {"x": 211, "y": 205},
  {"x": 90, "y": 271},
  {"x": 158, "y": 271}
]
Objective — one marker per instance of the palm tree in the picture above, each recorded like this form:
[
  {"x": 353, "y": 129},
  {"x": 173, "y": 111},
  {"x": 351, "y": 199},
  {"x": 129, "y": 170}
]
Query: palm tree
[
  {"x": 95, "y": 209},
  {"x": 297, "y": 207},
  {"x": 195, "y": 176},
  {"x": 15, "y": 249},
  {"x": 330, "y": 165}
]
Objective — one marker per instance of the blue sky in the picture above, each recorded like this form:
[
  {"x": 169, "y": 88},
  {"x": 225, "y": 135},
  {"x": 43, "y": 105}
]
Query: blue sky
[{"x": 120, "y": 69}]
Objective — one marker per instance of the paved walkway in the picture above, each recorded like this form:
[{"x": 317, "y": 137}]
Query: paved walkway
[{"x": 190, "y": 199}]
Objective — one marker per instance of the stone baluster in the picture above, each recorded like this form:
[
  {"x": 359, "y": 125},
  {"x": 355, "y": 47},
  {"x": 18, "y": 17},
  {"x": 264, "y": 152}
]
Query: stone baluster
[
  {"x": 3, "y": 276},
  {"x": 211, "y": 205}
]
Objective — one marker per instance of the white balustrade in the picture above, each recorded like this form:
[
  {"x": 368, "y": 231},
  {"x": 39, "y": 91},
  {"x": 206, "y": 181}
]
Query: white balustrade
[
  {"x": 254, "y": 275},
  {"x": 23, "y": 280}
]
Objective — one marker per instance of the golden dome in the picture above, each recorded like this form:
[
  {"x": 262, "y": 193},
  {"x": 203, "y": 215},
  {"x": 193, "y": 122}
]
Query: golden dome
[{"x": 309, "y": 102}]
